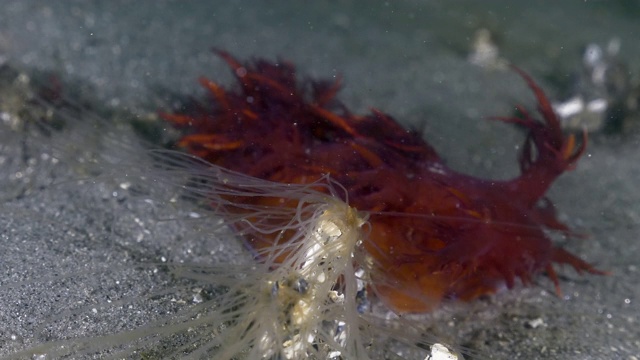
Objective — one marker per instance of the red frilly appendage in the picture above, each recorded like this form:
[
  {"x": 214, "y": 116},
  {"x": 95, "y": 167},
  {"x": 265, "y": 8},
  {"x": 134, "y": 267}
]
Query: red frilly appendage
[{"x": 436, "y": 233}]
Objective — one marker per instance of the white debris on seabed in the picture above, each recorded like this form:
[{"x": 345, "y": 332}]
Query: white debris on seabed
[
  {"x": 534, "y": 323},
  {"x": 484, "y": 51},
  {"x": 441, "y": 352},
  {"x": 603, "y": 97}
]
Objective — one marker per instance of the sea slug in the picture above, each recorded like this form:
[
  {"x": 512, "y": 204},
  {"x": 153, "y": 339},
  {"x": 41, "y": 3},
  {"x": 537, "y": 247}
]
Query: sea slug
[{"x": 435, "y": 233}]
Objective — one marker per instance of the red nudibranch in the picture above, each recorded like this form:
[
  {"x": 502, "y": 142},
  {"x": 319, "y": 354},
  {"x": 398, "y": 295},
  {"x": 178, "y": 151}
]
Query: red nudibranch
[{"x": 435, "y": 233}]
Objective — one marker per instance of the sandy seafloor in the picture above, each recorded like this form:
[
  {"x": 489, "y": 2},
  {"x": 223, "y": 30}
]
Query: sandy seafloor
[{"x": 65, "y": 245}]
